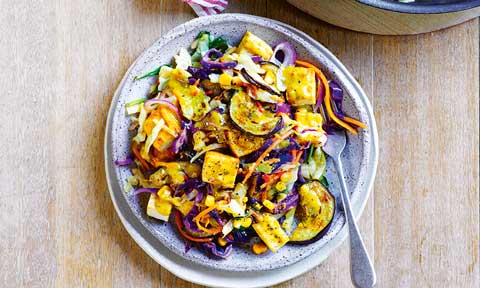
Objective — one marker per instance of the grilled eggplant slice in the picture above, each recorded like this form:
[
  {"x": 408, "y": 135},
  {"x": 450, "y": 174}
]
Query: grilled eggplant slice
[
  {"x": 246, "y": 115},
  {"x": 316, "y": 211}
]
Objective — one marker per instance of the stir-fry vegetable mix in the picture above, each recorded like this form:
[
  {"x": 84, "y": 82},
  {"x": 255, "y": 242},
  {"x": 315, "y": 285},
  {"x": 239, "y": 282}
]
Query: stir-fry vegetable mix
[{"x": 229, "y": 139}]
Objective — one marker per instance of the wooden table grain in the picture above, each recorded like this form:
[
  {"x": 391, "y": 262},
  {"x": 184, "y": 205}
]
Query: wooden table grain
[{"x": 61, "y": 62}]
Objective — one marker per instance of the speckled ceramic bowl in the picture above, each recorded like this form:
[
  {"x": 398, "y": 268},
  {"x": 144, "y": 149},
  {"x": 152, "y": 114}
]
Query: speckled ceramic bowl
[{"x": 243, "y": 268}]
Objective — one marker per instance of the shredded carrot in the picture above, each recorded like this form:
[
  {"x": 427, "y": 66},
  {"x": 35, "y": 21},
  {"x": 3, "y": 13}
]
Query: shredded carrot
[
  {"x": 297, "y": 157},
  {"x": 214, "y": 230},
  {"x": 263, "y": 195},
  {"x": 354, "y": 122},
  {"x": 204, "y": 212},
  {"x": 275, "y": 143},
  {"x": 328, "y": 104},
  {"x": 197, "y": 82},
  {"x": 319, "y": 88},
  {"x": 140, "y": 158},
  {"x": 201, "y": 215},
  {"x": 178, "y": 220}
]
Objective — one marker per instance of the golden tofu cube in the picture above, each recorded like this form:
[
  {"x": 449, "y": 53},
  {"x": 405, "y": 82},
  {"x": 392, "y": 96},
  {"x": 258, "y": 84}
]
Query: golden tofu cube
[
  {"x": 159, "y": 207},
  {"x": 220, "y": 169},
  {"x": 271, "y": 233},
  {"x": 309, "y": 127},
  {"x": 301, "y": 85},
  {"x": 309, "y": 119},
  {"x": 253, "y": 45}
]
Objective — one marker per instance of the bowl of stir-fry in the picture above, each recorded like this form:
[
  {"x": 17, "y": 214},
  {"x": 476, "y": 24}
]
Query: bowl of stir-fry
[{"x": 214, "y": 145}]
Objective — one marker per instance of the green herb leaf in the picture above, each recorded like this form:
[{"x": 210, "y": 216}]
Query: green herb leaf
[
  {"x": 324, "y": 181},
  {"x": 151, "y": 73},
  {"x": 310, "y": 153},
  {"x": 135, "y": 102},
  {"x": 201, "y": 33},
  {"x": 219, "y": 43}
]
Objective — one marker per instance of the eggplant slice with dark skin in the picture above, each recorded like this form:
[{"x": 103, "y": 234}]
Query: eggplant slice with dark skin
[
  {"x": 245, "y": 114},
  {"x": 315, "y": 212}
]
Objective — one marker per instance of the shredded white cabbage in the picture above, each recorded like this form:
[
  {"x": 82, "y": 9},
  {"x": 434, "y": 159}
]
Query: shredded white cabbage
[
  {"x": 315, "y": 169},
  {"x": 214, "y": 77},
  {"x": 227, "y": 228},
  {"x": 245, "y": 61},
  {"x": 210, "y": 147},
  {"x": 183, "y": 59},
  {"x": 264, "y": 96},
  {"x": 239, "y": 192},
  {"x": 217, "y": 103},
  {"x": 281, "y": 80},
  {"x": 233, "y": 207},
  {"x": 228, "y": 72},
  {"x": 140, "y": 137},
  {"x": 159, "y": 125},
  {"x": 163, "y": 77}
]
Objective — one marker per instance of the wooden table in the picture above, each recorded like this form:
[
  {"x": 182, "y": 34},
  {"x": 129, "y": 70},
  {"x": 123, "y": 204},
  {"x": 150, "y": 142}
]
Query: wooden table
[{"x": 60, "y": 63}]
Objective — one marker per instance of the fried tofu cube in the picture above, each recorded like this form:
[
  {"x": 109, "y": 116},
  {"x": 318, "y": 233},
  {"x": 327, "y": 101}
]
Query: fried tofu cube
[
  {"x": 309, "y": 119},
  {"x": 309, "y": 127},
  {"x": 220, "y": 169},
  {"x": 301, "y": 85},
  {"x": 158, "y": 207},
  {"x": 253, "y": 45},
  {"x": 271, "y": 233}
]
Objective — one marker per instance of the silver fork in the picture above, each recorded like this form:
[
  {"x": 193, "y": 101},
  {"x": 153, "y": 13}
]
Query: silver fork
[{"x": 361, "y": 267}]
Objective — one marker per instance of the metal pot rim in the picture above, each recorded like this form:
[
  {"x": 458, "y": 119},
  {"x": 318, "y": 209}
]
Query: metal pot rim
[{"x": 413, "y": 8}]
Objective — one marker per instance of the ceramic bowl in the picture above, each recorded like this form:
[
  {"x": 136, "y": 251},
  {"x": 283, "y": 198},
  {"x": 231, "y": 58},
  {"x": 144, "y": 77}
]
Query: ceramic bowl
[{"x": 160, "y": 239}]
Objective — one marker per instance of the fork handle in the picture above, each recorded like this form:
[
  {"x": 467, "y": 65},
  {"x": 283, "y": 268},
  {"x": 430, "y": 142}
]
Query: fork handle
[{"x": 361, "y": 268}]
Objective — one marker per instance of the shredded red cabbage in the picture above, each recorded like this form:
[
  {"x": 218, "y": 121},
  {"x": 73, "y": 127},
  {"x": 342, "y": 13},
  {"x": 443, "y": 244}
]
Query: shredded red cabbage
[
  {"x": 199, "y": 197},
  {"x": 207, "y": 63},
  {"x": 179, "y": 141},
  {"x": 300, "y": 178},
  {"x": 257, "y": 58},
  {"x": 209, "y": 189},
  {"x": 198, "y": 73},
  {"x": 216, "y": 216},
  {"x": 190, "y": 225},
  {"x": 217, "y": 251},
  {"x": 189, "y": 185},
  {"x": 242, "y": 236},
  {"x": 287, "y": 203},
  {"x": 337, "y": 97},
  {"x": 320, "y": 96},
  {"x": 191, "y": 81},
  {"x": 282, "y": 108},
  {"x": 124, "y": 162}
]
